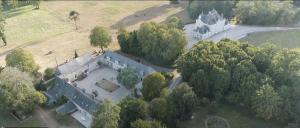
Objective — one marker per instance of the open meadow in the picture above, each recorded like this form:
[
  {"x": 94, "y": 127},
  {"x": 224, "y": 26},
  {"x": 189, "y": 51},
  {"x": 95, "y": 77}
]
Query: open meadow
[
  {"x": 48, "y": 30},
  {"x": 285, "y": 39}
]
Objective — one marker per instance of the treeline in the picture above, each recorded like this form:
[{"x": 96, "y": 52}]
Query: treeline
[
  {"x": 10, "y": 4},
  {"x": 158, "y": 108},
  {"x": 250, "y": 12},
  {"x": 265, "y": 80},
  {"x": 158, "y": 43}
]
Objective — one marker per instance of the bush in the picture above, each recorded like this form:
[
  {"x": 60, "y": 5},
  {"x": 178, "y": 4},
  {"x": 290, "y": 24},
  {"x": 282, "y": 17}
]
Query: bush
[{"x": 49, "y": 73}]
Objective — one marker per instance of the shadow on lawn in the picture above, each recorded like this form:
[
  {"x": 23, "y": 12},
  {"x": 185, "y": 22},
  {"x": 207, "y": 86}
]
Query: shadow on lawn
[
  {"x": 18, "y": 11},
  {"x": 143, "y": 15}
]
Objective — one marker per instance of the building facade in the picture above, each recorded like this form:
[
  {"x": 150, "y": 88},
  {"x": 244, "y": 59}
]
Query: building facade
[
  {"x": 75, "y": 79},
  {"x": 210, "y": 24}
]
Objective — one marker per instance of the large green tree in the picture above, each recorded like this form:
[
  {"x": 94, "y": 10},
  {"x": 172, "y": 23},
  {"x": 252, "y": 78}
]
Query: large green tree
[
  {"x": 152, "y": 85},
  {"x": 204, "y": 67},
  {"x": 22, "y": 60},
  {"x": 267, "y": 102},
  {"x": 127, "y": 77},
  {"x": 107, "y": 116},
  {"x": 17, "y": 92},
  {"x": 100, "y": 37},
  {"x": 2, "y": 25},
  {"x": 183, "y": 100},
  {"x": 131, "y": 110},
  {"x": 129, "y": 43},
  {"x": 161, "y": 44}
]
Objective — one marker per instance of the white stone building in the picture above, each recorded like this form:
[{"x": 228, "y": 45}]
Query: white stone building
[{"x": 209, "y": 24}]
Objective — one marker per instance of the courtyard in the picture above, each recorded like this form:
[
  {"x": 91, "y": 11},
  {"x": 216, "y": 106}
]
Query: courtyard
[{"x": 112, "y": 90}]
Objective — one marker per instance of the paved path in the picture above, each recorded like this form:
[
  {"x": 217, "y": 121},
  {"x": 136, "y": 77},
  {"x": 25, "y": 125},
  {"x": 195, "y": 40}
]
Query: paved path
[
  {"x": 175, "y": 81},
  {"x": 234, "y": 33}
]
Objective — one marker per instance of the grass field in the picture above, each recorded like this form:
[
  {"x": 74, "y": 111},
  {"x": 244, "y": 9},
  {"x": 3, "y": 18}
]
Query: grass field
[
  {"x": 237, "y": 118},
  {"x": 26, "y": 25},
  {"x": 285, "y": 39},
  {"x": 49, "y": 29}
]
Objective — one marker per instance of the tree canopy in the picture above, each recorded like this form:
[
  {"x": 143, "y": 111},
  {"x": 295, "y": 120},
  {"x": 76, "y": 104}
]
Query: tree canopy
[
  {"x": 260, "y": 78},
  {"x": 17, "y": 92},
  {"x": 127, "y": 77},
  {"x": 22, "y": 60},
  {"x": 100, "y": 37},
  {"x": 152, "y": 85},
  {"x": 107, "y": 116},
  {"x": 158, "y": 43},
  {"x": 2, "y": 25},
  {"x": 131, "y": 110}
]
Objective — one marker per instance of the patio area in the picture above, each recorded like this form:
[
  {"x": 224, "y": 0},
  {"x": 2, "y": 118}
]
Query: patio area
[{"x": 110, "y": 76}]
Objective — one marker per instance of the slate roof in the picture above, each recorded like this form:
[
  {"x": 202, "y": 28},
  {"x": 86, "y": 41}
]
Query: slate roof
[
  {"x": 212, "y": 17},
  {"x": 67, "y": 108},
  {"x": 74, "y": 94},
  {"x": 204, "y": 29},
  {"x": 78, "y": 96},
  {"x": 130, "y": 63},
  {"x": 75, "y": 64}
]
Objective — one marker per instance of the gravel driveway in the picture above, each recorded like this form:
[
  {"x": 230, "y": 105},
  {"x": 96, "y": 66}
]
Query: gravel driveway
[{"x": 235, "y": 32}]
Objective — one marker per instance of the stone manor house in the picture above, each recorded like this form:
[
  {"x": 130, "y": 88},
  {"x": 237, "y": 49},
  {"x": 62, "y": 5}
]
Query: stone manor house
[
  {"x": 210, "y": 24},
  {"x": 75, "y": 80}
]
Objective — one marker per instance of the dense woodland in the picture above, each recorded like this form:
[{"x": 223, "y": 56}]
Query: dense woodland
[
  {"x": 158, "y": 43},
  {"x": 264, "y": 79},
  {"x": 250, "y": 12}
]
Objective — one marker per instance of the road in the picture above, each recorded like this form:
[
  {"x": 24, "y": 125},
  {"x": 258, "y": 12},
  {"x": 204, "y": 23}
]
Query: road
[{"x": 236, "y": 32}]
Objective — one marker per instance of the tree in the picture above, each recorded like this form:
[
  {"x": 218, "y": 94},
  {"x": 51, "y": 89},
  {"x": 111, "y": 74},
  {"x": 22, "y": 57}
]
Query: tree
[
  {"x": 127, "y": 77},
  {"x": 159, "y": 108},
  {"x": 265, "y": 12},
  {"x": 267, "y": 102},
  {"x": 152, "y": 85},
  {"x": 146, "y": 124},
  {"x": 183, "y": 100},
  {"x": 100, "y": 37},
  {"x": 204, "y": 66},
  {"x": 161, "y": 44},
  {"x": 49, "y": 73},
  {"x": 17, "y": 93},
  {"x": 76, "y": 54},
  {"x": 131, "y": 110},
  {"x": 36, "y": 3},
  {"x": 175, "y": 22},
  {"x": 129, "y": 43},
  {"x": 107, "y": 116},
  {"x": 74, "y": 15},
  {"x": 197, "y": 7},
  {"x": 23, "y": 60},
  {"x": 2, "y": 25}
]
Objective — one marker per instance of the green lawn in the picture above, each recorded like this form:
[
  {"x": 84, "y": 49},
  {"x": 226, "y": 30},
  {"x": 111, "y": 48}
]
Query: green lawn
[
  {"x": 26, "y": 25},
  {"x": 7, "y": 120},
  {"x": 237, "y": 118},
  {"x": 286, "y": 39}
]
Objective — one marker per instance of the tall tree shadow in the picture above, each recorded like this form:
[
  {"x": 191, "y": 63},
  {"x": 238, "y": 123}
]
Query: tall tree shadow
[{"x": 143, "y": 15}]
